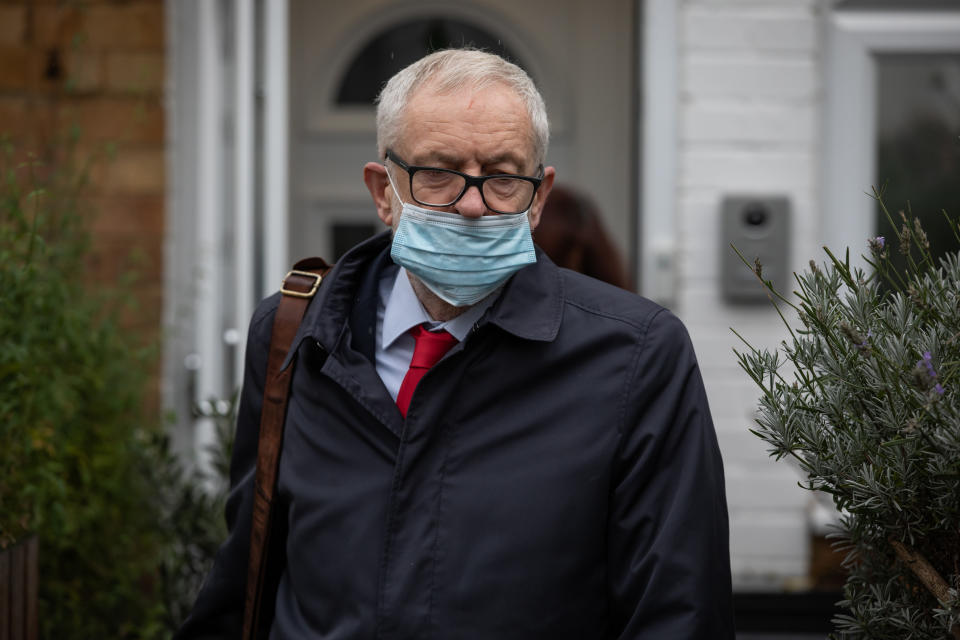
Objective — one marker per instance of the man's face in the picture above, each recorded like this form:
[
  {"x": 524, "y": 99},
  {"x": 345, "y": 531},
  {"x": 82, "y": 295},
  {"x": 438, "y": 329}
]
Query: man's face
[{"x": 478, "y": 132}]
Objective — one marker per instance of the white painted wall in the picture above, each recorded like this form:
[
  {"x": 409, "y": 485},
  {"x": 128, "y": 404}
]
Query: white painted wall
[{"x": 749, "y": 108}]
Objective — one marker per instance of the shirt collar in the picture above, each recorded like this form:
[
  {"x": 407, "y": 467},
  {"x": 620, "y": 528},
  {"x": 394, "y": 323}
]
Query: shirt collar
[{"x": 403, "y": 311}]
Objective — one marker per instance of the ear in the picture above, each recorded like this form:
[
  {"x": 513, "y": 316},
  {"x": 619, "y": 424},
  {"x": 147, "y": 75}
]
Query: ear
[
  {"x": 375, "y": 177},
  {"x": 549, "y": 173}
]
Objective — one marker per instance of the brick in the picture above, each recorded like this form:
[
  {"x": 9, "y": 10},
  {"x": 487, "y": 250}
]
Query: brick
[
  {"x": 13, "y": 115},
  {"x": 121, "y": 120},
  {"x": 132, "y": 26},
  {"x": 136, "y": 263},
  {"x": 135, "y": 72},
  {"x": 24, "y": 142},
  {"x": 58, "y": 26},
  {"x": 16, "y": 65},
  {"x": 138, "y": 26},
  {"x": 83, "y": 71},
  {"x": 139, "y": 171},
  {"x": 128, "y": 215},
  {"x": 13, "y": 25},
  {"x": 114, "y": 257},
  {"x": 31, "y": 126},
  {"x": 25, "y": 68}
]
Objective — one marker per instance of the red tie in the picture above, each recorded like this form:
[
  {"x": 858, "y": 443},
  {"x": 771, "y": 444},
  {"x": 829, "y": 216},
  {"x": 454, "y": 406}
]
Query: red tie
[{"x": 429, "y": 348}]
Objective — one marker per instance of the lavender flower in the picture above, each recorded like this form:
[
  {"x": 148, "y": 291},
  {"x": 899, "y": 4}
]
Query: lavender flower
[
  {"x": 860, "y": 341},
  {"x": 925, "y": 375},
  {"x": 927, "y": 362}
]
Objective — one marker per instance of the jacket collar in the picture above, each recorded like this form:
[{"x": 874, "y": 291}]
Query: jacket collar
[{"x": 530, "y": 305}]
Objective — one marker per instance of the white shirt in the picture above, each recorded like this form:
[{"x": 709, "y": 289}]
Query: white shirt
[{"x": 398, "y": 311}]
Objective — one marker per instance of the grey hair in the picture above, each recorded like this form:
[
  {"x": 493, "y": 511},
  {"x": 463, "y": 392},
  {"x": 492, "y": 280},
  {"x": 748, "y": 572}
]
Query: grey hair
[{"x": 452, "y": 69}]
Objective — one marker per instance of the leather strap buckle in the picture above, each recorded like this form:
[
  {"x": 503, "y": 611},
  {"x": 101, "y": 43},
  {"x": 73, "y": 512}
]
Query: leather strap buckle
[{"x": 301, "y": 294}]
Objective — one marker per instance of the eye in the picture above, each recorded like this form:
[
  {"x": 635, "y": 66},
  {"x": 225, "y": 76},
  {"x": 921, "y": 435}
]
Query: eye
[
  {"x": 431, "y": 177},
  {"x": 504, "y": 186}
]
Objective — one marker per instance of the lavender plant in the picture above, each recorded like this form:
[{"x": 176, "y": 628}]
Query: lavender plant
[{"x": 864, "y": 395}]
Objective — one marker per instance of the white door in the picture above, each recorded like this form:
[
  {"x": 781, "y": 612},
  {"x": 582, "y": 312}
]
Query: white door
[{"x": 581, "y": 55}]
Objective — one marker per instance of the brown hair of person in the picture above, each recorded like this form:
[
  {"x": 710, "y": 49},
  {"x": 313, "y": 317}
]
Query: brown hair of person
[{"x": 572, "y": 234}]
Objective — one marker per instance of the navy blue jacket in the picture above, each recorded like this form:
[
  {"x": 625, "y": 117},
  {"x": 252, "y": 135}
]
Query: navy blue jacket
[{"x": 557, "y": 475}]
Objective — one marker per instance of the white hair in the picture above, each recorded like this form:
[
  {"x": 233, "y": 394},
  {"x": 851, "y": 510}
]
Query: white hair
[{"x": 452, "y": 69}]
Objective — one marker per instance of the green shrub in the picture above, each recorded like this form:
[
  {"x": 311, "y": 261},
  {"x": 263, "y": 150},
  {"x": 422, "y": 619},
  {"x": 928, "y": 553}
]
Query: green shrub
[
  {"x": 192, "y": 505},
  {"x": 76, "y": 460},
  {"x": 864, "y": 396}
]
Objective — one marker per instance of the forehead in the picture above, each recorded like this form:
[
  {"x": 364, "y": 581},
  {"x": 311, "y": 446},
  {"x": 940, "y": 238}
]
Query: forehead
[{"x": 468, "y": 124}]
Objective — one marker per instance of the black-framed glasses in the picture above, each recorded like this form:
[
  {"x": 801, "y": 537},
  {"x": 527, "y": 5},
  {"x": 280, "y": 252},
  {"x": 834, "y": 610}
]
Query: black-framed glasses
[{"x": 501, "y": 193}]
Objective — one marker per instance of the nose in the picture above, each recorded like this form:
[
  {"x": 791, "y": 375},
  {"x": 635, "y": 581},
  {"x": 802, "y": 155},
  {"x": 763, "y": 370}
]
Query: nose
[{"x": 471, "y": 204}]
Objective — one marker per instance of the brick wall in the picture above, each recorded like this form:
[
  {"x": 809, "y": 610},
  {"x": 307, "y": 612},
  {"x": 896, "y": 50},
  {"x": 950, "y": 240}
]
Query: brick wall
[
  {"x": 97, "y": 68},
  {"x": 749, "y": 124}
]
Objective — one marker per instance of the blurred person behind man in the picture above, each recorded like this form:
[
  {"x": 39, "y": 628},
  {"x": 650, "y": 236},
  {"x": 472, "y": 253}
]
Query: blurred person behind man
[
  {"x": 478, "y": 445},
  {"x": 572, "y": 234}
]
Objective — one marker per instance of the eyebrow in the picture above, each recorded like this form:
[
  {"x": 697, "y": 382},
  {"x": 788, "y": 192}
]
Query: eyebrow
[
  {"x": 506, "y": 157},
  {"x": 439, "y": 157},
  {"x": 442, "y": 157}
]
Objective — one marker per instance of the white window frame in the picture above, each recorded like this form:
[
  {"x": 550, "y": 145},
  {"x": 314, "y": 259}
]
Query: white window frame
[{"x": 854, "y": 37}]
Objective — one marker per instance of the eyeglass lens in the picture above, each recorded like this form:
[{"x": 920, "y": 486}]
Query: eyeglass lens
[{"x": 442, "y": 188}]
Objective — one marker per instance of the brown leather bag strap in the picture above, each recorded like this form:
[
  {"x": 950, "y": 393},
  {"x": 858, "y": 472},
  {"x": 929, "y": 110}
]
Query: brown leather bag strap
[{"x": 299, "y": 287}]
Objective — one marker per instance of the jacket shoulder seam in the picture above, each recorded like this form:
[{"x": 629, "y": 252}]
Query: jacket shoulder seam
[
  {"x": 629, "y": 381},
  {"x": 640, "y": 325}
]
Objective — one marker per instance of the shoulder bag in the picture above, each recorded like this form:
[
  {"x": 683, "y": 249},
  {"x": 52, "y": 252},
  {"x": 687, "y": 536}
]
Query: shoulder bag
[{"x": 299, "y": 287}]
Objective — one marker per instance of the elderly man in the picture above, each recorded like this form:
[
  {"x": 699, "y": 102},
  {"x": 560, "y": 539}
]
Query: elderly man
[{"x": 479, "y": 444}]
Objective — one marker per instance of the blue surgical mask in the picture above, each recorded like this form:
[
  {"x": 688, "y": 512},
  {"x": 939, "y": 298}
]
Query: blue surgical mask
[{"x": 461, "y": 260}]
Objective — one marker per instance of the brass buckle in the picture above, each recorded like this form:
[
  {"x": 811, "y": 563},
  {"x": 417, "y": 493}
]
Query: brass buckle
[{"x": 299, "y": 294}]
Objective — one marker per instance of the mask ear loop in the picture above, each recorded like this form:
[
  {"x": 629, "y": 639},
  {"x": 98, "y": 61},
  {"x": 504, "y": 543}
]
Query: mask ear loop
[{"x": 393, "y": 186}]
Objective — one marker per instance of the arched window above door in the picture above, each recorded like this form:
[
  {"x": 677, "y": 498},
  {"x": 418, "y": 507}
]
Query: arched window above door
[{"x": 402, "y": 44}]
